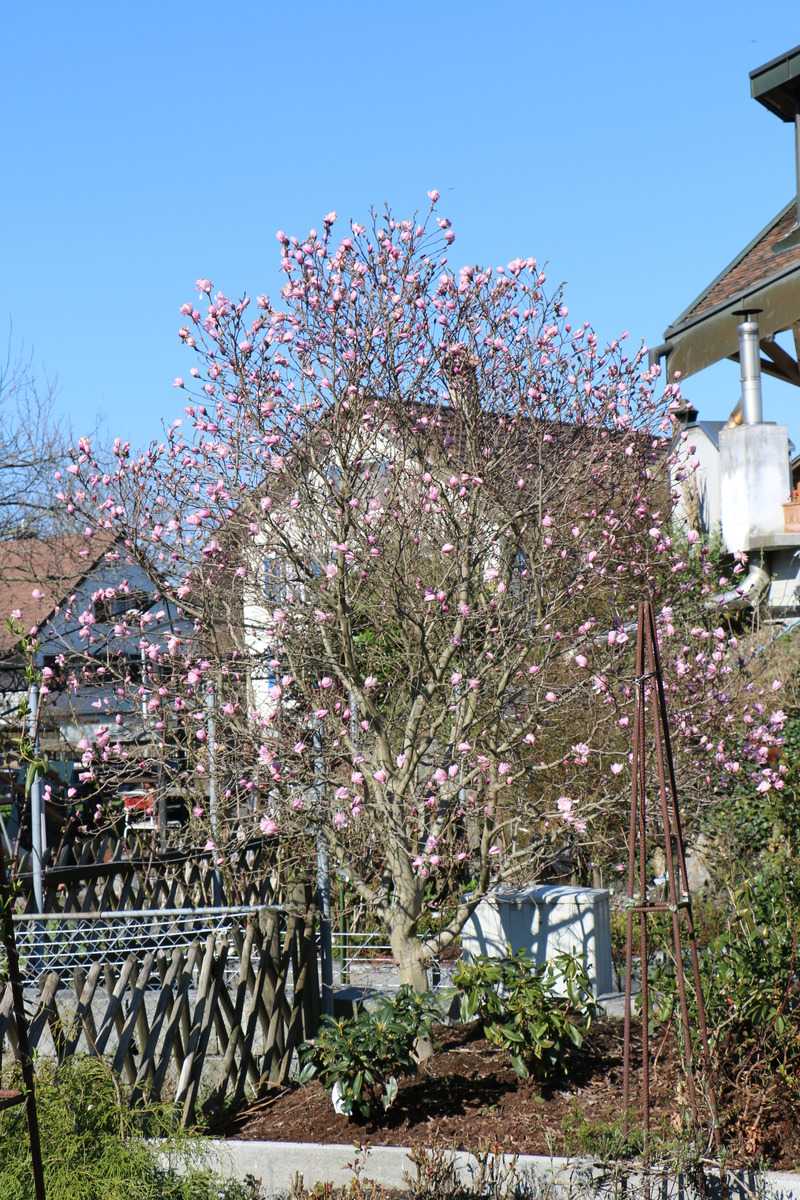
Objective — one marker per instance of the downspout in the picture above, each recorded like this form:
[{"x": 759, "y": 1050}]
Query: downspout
[
  {"x": 745, "y": 595},
  {"x": 656, "y": 353}
]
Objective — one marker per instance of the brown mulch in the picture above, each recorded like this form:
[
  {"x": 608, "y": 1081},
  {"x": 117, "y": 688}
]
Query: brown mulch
[{"x": 466, "y": 1095}]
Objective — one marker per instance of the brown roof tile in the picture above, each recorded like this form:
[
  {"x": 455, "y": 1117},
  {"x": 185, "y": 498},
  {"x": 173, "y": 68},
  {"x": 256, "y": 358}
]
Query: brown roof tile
[
  {"x": 755, "y": 266},
  {"x": 50, "y": 566}
]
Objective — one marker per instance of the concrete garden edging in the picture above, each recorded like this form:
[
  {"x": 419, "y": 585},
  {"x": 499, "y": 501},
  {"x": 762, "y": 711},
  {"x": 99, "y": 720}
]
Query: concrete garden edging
[{"x": 276, "y": 1164}]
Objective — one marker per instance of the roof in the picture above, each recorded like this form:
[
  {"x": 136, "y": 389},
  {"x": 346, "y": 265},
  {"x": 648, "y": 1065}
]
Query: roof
[
  {"x": 759, "y": 262},
  {"x": 445, "y": 426},
  {"x": 765, "y": 275},
  {"x": 51, "y": 567},
  {"x": 776, "y": 84}
]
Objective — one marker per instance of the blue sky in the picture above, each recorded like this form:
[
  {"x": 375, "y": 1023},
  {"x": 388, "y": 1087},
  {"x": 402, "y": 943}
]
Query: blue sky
[{"x": 147, "y": 144}]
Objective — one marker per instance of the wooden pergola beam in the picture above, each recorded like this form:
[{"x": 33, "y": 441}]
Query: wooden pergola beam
[
  {"x": 790, "y": 371},
  {"x": 772, "y": 369}
]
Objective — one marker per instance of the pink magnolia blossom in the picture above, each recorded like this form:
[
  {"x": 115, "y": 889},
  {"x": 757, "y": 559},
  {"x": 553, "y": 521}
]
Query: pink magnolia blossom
[{"x": 274, "y": 461}]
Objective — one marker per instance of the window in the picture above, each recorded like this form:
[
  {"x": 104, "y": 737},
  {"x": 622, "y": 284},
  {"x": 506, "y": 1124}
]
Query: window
[
  {"x": 108, "y": 608},
  {"x": 274, "y": 580}
]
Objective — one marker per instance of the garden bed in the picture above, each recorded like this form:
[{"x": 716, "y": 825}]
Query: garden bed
[{"x": 467, "y": 1096}]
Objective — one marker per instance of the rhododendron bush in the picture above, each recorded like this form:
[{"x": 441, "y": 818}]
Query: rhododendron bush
[{"x": 409, "y": 512}]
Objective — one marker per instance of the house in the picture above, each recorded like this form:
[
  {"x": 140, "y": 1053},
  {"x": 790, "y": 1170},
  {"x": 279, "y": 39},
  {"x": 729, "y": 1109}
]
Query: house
[
  {"x": 745, "y": 471},
  {"x": 52, "y": 588},
  {"x": 569, "y": 459}
]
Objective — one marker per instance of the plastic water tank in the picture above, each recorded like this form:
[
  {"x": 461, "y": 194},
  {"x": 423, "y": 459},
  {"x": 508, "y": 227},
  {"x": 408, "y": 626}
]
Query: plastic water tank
[{"x": 545, "y": 920}]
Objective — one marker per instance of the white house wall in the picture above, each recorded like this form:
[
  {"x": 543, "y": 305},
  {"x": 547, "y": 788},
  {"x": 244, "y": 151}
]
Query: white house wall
[
  {"x": 755, "y": 484},
  {"x": 784, "y": 568},
  {"x": 697, "y": 445},
  {"x": 257, "y": 615}
]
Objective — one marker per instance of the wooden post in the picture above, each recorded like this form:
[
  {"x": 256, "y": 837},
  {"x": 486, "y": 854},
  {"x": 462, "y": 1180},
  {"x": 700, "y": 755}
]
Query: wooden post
[{"x": 26, "y": 1064}]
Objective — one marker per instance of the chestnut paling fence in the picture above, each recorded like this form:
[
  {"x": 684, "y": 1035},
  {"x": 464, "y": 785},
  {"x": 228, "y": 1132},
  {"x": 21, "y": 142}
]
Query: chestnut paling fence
[
  {"x": 113, "y": 872},
  {"x": 188, "y": 999}
]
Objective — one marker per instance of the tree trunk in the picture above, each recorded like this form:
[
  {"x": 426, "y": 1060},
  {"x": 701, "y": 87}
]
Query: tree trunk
[{"x": 410, "y": 958}]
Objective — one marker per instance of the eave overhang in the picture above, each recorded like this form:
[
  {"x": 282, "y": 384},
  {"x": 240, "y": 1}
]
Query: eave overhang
[{"x": 759, "y": 278}]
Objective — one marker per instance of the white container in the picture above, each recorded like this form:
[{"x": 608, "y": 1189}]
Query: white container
[{"x": 545, "y": 920}]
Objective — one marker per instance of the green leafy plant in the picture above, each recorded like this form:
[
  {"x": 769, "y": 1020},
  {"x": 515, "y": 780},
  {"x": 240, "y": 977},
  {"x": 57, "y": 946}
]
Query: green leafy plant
[
  {"x": 539, "y": 1014},
  {"x": 750, "y": 971},
  {"x": 607, "y": 1141},
  {"x": 95, "y": 1146},
  {"x": 361, "y": 1058}
]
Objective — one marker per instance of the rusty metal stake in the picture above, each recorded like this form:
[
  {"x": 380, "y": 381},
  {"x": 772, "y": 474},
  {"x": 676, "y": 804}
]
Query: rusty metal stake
[
  {"x": 650, "y": 693},
  {"x": 28, "y": 1097}
]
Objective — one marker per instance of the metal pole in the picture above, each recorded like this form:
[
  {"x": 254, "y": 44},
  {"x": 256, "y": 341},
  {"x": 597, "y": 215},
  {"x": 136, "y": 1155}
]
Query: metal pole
[
  {"x": 213, "y": 808},
  {"x": 38, "y": 835},
  {"x": 677, "y": 864},
  {"x": 631, "y": 889},
  {"x": 211, "y": 742},
  {"x": 323, "y": 881},
  {"x": 750, "y": 368},
  {"x": 650, "y": 689},
  {"x": 160, "y": 806}
]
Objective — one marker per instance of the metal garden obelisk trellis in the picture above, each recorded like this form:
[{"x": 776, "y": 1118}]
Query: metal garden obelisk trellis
[{"x": 660, "y": 825}]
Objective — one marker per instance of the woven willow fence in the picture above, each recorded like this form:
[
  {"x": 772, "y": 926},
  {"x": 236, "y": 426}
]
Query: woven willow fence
[
  {"x": 111, "y": 872},
  {"x": 179, "y": 1025},
  {"x": 195, "y": 986}
]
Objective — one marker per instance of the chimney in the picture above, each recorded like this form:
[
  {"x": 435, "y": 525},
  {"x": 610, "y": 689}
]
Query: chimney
[
  {"x": 682, "y": 413},
  {"x": 776, "y": 85},
  {"x": 750, "y": 367}
]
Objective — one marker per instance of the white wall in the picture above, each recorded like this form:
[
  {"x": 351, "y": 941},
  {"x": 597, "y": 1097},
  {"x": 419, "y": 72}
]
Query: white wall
[
  {"x": 755, "y": 483},
  {"x": 696, "y": 444}
]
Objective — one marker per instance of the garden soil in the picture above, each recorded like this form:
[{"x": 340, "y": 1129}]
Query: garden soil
[{"x": 466, "y": 1096}]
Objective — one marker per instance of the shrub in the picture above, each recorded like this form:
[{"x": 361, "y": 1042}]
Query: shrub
[
  {"x": 539, "y": 1014},
  {"x": 95, "y": 1145},
  {"x": 362, "y": 1057},
  {"x": 750, "y": 973}
]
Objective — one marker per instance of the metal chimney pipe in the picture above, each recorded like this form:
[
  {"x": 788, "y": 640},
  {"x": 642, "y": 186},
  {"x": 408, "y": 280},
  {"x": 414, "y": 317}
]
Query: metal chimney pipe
[{"x": 750, "y": 369}]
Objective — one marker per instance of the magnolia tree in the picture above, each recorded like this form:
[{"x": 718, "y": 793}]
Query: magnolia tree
[{"x": 409, "y": 512}]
